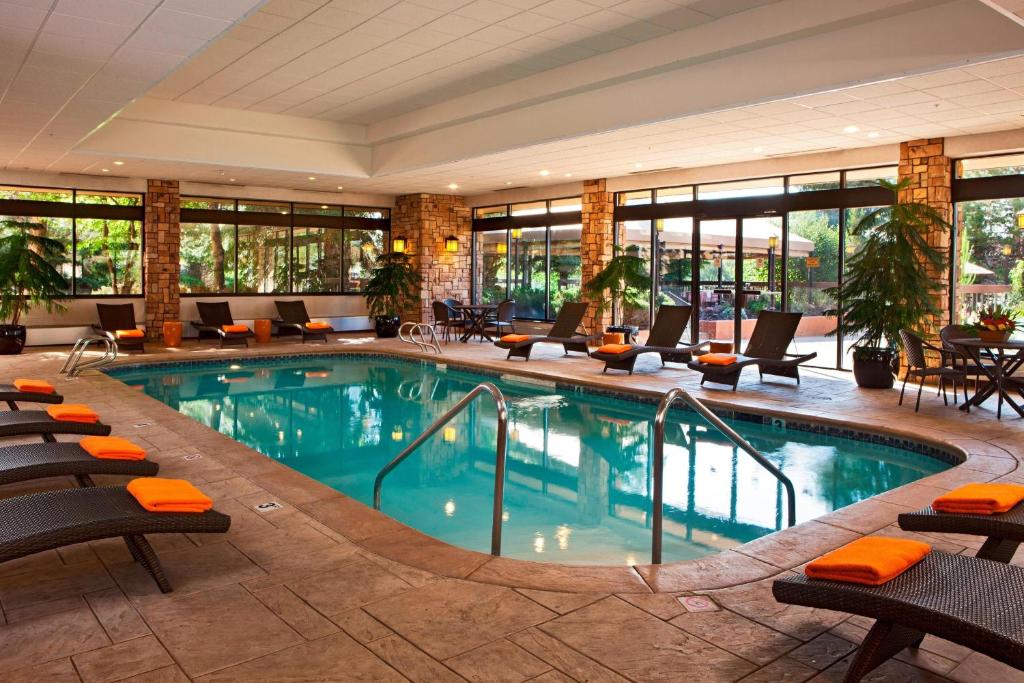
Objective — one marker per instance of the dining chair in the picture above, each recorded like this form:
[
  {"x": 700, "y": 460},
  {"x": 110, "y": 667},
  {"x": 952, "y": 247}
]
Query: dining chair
[{"x": 917, "y": 366}]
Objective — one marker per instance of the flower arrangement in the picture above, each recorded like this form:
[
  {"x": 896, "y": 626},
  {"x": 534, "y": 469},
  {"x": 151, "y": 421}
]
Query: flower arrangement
[{"x": 995, "y": 323}]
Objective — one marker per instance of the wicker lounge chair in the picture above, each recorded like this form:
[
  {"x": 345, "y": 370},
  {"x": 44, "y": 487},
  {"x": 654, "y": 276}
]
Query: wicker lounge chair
[
  {"x": 294, "y": 317},
  {"x": 39, "y": 422},
  {"x": 38, "y": 460},
  {"x": 1003, "y": 532},
  {"x": 215, "y": 315},
  {"x": 772, "y": 335},
  {"x": 54, "y": 519},
  {"x": 11, "y": 394},
  {"x": 668, "y": 327},
  {"x": 562, "y": 332},
  {"x": 969, "y": 601},
  {"x": 114, "y": 317}
]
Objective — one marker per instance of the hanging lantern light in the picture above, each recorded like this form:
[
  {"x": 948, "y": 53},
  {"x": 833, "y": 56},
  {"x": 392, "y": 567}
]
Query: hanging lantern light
[
  {"x": 1007, "y": 250},
  {"x": 1020, "y": 219},
  {"x": 450, "y": 434},
  {"x": 517, "y": 233},
  {"x": 773, "y": 242},
  {"x": 451, "y": 243},
  {"x": 659, "y": 225},
  {"x": 502, "y": 248},
  {"x": 398, "y": 245}
]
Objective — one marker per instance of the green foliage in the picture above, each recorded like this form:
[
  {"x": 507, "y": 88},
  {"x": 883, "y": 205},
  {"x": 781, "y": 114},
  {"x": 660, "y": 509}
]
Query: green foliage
[
  {"x": 623, "y": 283},
  {"x": 393, "y": 285},
  {"x": 887, "y": 286},
  {"x": 27, "y": 275},
  {"x": 1016, "y": 297}
]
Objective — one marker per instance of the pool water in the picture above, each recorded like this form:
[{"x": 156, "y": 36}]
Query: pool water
[{"x": 578, "y": 487}]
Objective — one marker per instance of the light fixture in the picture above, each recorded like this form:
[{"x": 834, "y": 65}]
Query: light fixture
[
  {"x": 1020, "y": 219},
  {"x": 758, "y": 150},
  {"x": 659, "y": 225},
  {"x": 545, "y": 172},
  {"x": 312, "y": 177},
  {"x": 873, "y": 134},
  {"x": 118, "y": 163},
  {"x": 851, "y": 129},
  {"x": 449, "y": 508},
  {"x": 451, "y": 243},
  {"x": 449, "y": 434},
  {"x": 502, "y": 248},
  {"x": 638, "y": 165},
  {"x": 340, "y": 187},
  {"x": 517, "y": 233},
  {"x": 453, "y": 186},
  {"x": 323, "y": 206},
  {"x": 397, "y": 433},
  {"x": 1007, "y": 250},
  {"x": 773, "y": 242},
  {"x": 231, "y": 180},
  {"x": 568, "y": 175},
  {"x": 508, "y": 182},
  {"x": 398, "y": 245},
  {"x": 105, "y": 170}
]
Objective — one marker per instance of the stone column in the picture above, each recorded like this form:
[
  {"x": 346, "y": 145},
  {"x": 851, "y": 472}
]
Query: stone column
[
  {"x": 596, "y": 239},
  {"x": 160, "y": 258}
]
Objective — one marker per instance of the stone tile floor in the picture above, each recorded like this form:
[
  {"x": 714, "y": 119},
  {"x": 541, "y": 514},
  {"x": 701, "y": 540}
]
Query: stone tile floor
[{"x": 324, "y": 589}]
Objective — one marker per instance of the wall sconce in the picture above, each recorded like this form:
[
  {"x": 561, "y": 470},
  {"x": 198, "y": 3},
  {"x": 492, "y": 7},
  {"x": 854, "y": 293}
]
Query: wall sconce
[
  {"x": 502, "y": 248},
  {"x": 773, "y": 242},
  {"x": 517, "y": 233},
  {"x": 398, "y": 245},
  {"x": 397, "y": 434},
  {"x": 449, "y": 434},
  {"x": 1020, "y": 219},
  {"x": 451, "y": 243}
]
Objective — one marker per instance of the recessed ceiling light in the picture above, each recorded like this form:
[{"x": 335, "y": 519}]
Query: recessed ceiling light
[
  {"x": 231, "y": 180},
  {"x": 340, "y": 187},
  {"x": 851, "y": 129},
  {"x": 453, "y": 186},
  {"x": 759, "y": 149},
  {"x": 638, "y": 165},
  {"x": 323, "y": 206},
  {"x": 545, "y": 172},
  {"x": 568, "y": 175},
  {"x": 874, "y": 134},
  {"x": 312, "y": 177},
  {"x": 105, "y": 170},
  {"x": 118, "y": 163},
  {"x": 508, "y": 182}
]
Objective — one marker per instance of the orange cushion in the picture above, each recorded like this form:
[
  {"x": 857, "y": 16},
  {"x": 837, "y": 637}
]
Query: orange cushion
[
  {"x": 318, "y": 326},
  {"x": 112, "y": 448},
  {"x": 513, "y": 338},
  {"x": 168, "y": 495},
  {"x": 717, "y": 359},
  {"x": 34, "y": 386},
  {"x": 871, "y": 560},
  {"x": 129, "y": 334},
  {"x": 980, "y": 499},
  {"x": 234, "y": 328},
  {"x": 614, "y": 348},
  {"x": 73, "y": 412}
]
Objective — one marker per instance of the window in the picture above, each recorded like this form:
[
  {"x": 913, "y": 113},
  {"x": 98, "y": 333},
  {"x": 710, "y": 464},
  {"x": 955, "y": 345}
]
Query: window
[
  {"x": 529, "y": 208},
  {"x": 565, "y": 205},
  {"x": 812, "y": 267},
  {"x": 491, "y": 284},
  {"x": 262, "y": 259},
  {"x": 529, "y": 272},
  {"x": 317, "y": 210},
  {"x": 207, "y": 258},
  {"x": 990, "y": 267},
  {"x": 814, "y": 182},
  {"x": 36, "y": 194},
  {"x": 108, "y": 256},
  {"x": 675, "y": 268},
  {"x": 866, "y": 177},
  {"x": 367, "y": 212},
  {"x": 634, "y": 198},
  {"x": 362, "y": 248},
  {"x": 59, "y": 229},
  {"x": 634, "y": 238},
  {"x": 208, "y": 203},
  {"x": 491, "y": 211},
  {"x": 986, "y": 167},
  {"x": 566, "y": 272},
  {"x": 264, "y": 207},
  {"x": 759, "y": 187},
  {"x": 669, "y": 195},
  {"x": 317, "y": 259}
]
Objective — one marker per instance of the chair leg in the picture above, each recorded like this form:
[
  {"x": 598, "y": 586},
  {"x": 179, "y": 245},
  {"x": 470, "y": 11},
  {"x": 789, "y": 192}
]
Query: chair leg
[
  {"x": 904, "y": 389},
  {"x": 920, "y": 388},
  {"x": 942, "y": 388},
  {"x": 148, "y": 559},
  {"x": 884, "y": 640}
]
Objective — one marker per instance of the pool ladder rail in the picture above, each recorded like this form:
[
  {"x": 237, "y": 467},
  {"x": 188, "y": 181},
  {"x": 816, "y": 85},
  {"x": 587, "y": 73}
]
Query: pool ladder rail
[
  {"x": 422, "y": 342},
  {"x": 697, "y": 406},
  {"x": 500, "y": 449},
  {"x": 74, "y": 364}
]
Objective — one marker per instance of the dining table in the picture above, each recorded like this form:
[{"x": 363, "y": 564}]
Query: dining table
[
  {"x": 476, "y": 315},
  {"x": 998, "y": 361}
]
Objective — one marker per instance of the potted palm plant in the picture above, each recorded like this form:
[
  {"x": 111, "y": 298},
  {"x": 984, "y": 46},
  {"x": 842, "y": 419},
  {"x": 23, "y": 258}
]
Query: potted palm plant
[
  {"x": 620, "y": 282},
  {"x": 27, "y": 278},
  {"x": 888, "y": 284},
  {"x": 393, "y": 285}
]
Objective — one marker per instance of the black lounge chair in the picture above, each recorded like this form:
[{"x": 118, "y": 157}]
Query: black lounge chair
[
  {"x": 969, "y": 601},
  {"x": 11, "y": 394},
  {"x": 562, "y": 332},
  {"x": 54, "y": 519},
  {"x": 31, "y": 422},
  {"x": 114, "y": 317},
  {"x": 215, "y": 315},
  {"x": 294, "y": 317},
  {"x": 38, "y": 460},
  {"x": 773, "y": 333},
  {"x": 666, "y": 331},
  {"x": 1003, "y": 532}
]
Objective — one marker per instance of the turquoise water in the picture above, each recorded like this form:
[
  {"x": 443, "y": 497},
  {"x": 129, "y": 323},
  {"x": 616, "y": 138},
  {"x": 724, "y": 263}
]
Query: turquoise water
[{"x": 579, "y": 476}]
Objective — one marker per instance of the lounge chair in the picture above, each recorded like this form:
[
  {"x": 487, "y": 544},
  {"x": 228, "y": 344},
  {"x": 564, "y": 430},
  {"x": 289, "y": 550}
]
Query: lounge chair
[
  {"x": 12, "y": 396},
  {"x": 773, "y": 333},
  {"x": 39, "y": 422},
  {"x": 54, "y": 519},
  {"x": 294, "y": 317},
  {"x": 969, "y": 601},
  {"x": 120, "y": 318},
  {"x": 1003, "y": 532},
  {"x": 24, "y": 462},
  {"x": 562, "y": 332},
  {"x": 668, "y": 328},
  {"x": 215, "y": 315}
]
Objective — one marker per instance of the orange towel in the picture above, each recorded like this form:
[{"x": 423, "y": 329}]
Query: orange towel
[
  {"x": 717, "y": 359},
  {"x": 73, "y": 412},
  {"x": 514, "y": 338},
  {"x": 34, "y": 386},
  {"x": 168, "y": 495},
  {"x": 980, "y": 499},
  {"x": 129, "y": 334},
  {"x": 871, "y": 560},
  {"x": 614, "y": 348},
  {"x": 234, "y": 328},
  {"x": 318, "y": 326},
  {"x": 112, "y": 448}
]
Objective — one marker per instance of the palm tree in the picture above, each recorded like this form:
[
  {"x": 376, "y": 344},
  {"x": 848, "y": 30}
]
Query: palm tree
[
  {"x": 621, "y": 281},
  {"x": 27, "y": 275}
]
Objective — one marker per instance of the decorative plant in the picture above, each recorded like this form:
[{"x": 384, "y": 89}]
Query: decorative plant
[
  {"x": 995, "y": 319},
  {"x": 620, "y": 282},
  {"x": 27, "y": 276},
  {"x": 889, "y": 283},
  {"x": 393, "y": 284}
]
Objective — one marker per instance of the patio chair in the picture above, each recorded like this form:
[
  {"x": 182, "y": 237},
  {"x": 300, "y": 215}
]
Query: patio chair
[
  {"x": 294, "y": 317},
  {"x": 963, "y": 360},
  {"x": 772, "y": 335},
  {"x": 446, "y": 320},
  {"x": 214, "y": 317},
  {"x": 503, "y": 320},
  {"x": 1002, "y": 532},
  {"x": 668, "y": 328},
  {"x": 39, "y": 423},
  {"x": 562, "y": 332},
  {"x": 38, "y": 522},
  {"x": 917, "y": 366},
  {"x": 24, "y": 462},
  {"x": 12, "y": 396},
  {"x": 115, "y": 321},
  {"x": 969, "y": 601}
]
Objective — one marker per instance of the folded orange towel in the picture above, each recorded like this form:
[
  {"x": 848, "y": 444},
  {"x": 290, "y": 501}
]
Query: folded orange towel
[
  {"x": 73, "y": 412},
  {"x": 614, "y": 348},
  {"x": 129, "y": 334},
  {"x": 318, "y": 326},
  {"x": 871, "y": 560},
  {"x": 513, "y": 338},
  {"x": 168, "y": 495},
  {"x": 980, "y": 499},
  {"x": 112, "y": 448},
  {"x": 717, "y": 359},
  {"x": 34, "y": 386},
  {"x": 234, "y": 328}
]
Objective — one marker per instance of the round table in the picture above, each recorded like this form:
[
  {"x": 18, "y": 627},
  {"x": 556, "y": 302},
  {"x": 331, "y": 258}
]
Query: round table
[
  {"x": 1006, "y": 357},
  {"x": 476, "y": 314}
]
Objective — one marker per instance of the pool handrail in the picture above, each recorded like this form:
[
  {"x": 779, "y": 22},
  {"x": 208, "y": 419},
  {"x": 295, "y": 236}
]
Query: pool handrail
[
  {"x": 697, "y": 406},
  {"x": 499, "y": 455},
  {"x": 421, "y": 329}
]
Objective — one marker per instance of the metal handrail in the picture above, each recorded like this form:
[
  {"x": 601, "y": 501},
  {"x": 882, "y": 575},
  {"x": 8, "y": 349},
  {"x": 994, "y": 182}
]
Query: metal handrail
[
  {"x": 499, "y": 455},
  {"x": 671, "y": 397},
  {"x": 73, "y": 366},
  {"x": 422, "y": 343}
]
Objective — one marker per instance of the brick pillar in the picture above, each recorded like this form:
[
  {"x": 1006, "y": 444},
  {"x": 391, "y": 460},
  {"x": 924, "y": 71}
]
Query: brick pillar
[
  {"x": 424, "y": 221},
  {"x": 927, "y": 167},
  {"x": 596, "y": 239},
  {"x": 161, "y": 255}
]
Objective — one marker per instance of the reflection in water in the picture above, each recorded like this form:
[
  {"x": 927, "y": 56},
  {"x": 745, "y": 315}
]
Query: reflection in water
[{"x": 579, "y": 474}]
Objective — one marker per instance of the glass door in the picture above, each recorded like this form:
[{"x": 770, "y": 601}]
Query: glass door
[
  {"x": 717, "y": 268},
  {"x": 761, "y": 286}
]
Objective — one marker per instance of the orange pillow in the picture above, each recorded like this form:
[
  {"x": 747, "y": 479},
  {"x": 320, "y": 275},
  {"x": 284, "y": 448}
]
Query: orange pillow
[
  {"x": 129, "y": 334},
  {"x": 717, "y": 359},
  {"x": 112, "y": 448},
  {"x": 73, "y": 412},
  {"x": 871, "y": 560},
  {"x": 614, "y": 348},
  {"x": 514, "y": 338},
  {"x": 234, "y": 328},
  {"x": 168, "y": 495},
  {"x": 980, "y": 499},
  {"x": 318, "y": 326},
  {"x": 34, "y": 386}
]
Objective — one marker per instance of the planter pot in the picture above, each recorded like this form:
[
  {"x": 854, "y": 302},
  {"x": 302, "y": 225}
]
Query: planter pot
[
  {"x": 387, "y": 325},
  {"x": 873, "y": 367},
  {"x": 628, "y": 332},
  {"x": 613, "y": 338},
  {"x": 172, "y": 334},
  {"x": 261, "y": 328},
  {"x": 994, "y": 335},
  {"x": 12, "y": 339}
]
